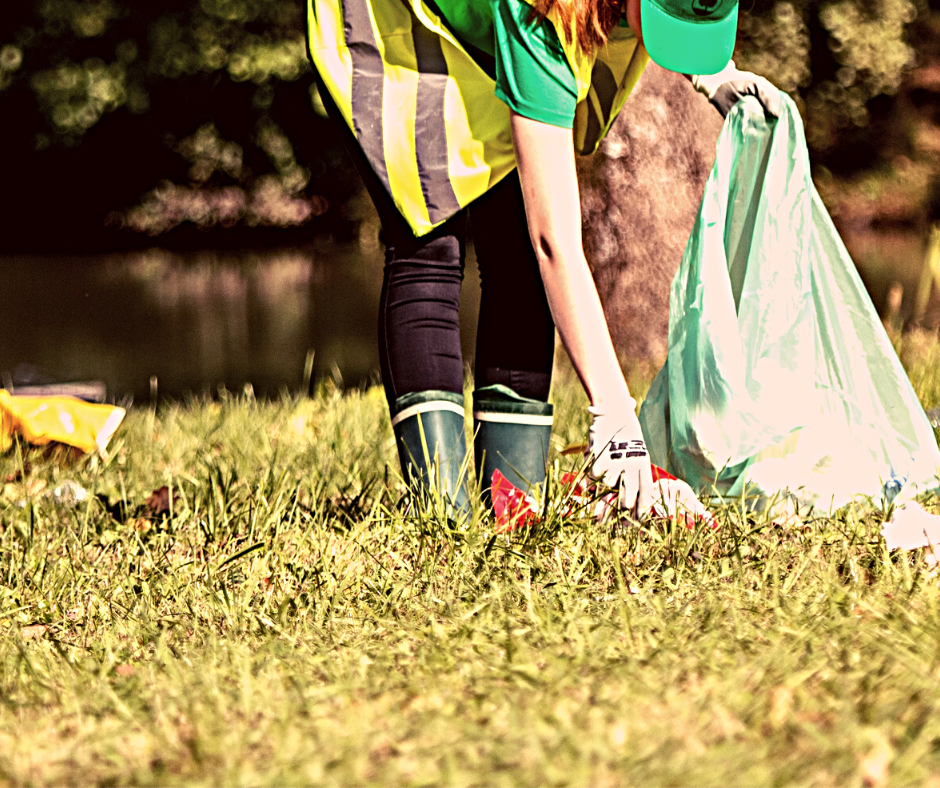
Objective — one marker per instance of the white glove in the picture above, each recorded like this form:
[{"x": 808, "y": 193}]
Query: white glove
[
  {"x": 620, "y": 459},
  {"x": 725, "y": 88},
  {"x": 676, "y": 499}
]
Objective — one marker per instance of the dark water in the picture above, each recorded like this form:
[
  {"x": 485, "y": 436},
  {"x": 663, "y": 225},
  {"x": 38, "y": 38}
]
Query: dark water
[{"x": 197, "y": 321}]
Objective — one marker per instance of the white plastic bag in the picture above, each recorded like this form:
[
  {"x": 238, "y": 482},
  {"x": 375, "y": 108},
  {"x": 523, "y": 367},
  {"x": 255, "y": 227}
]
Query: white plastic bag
[{"x": 780, "y": 381}]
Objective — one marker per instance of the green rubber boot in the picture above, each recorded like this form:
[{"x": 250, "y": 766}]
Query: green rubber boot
[
  {"x": 432, "y": 444},
  {"x": 512, "y": 434}
]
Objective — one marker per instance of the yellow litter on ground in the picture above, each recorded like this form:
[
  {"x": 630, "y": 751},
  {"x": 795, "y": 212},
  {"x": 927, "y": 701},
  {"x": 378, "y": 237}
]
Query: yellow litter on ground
[{"x": 42, "y": 420}]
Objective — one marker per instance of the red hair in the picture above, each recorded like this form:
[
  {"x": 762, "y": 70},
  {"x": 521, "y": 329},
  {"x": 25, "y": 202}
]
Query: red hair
[{"x": 592, "y": 20}]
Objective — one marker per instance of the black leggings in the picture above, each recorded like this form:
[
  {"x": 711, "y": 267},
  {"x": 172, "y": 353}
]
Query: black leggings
[{"x": 419, "y": 328}]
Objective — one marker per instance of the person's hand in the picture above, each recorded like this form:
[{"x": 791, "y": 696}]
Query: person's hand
[
  {"x": 729, "y": 85},
  {"x": 619, "y": 457}
]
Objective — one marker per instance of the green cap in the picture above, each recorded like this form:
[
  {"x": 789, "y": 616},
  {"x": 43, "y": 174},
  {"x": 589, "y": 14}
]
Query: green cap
[{"x": 690, "y": 36}]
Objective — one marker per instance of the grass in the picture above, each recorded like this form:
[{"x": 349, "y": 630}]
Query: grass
[{"x": 283, "y": 614}]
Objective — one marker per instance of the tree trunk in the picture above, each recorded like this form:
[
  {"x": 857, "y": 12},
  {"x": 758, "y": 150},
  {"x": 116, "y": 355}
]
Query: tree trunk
[{"x": 640, "y": 195}]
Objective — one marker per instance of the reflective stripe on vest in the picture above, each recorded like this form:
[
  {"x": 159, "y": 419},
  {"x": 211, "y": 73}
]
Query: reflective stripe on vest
[
  {"x": 426, "y": 114},
  {"x": 616, "y": 70}
]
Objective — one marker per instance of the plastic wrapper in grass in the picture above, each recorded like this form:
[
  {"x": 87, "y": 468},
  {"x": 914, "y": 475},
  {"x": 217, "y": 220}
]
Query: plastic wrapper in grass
[
  {"x": 674, "y": 499},
  {"x": 43, "y": 420},
  {"x": 780, "y": 381},
  {"x": 911, "y": 527}
]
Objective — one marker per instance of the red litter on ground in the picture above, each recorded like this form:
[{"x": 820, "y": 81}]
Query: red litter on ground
[{"x": 674, "y": 499}]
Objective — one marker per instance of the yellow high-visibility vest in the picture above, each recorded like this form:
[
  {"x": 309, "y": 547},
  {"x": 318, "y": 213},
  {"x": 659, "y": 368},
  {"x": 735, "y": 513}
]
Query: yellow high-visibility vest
[{"x": 425, "y": 111}]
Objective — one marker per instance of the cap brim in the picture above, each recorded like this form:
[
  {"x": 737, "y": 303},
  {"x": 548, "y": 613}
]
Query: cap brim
[{"x": 687, "y": 47}]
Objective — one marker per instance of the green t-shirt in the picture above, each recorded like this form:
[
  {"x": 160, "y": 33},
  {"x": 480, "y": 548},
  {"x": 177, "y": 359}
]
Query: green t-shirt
[{"x": 533, "y": 75}]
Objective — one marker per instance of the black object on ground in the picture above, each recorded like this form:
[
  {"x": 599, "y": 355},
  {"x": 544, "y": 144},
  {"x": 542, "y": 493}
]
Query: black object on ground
[{"x": 90, "y": 391}]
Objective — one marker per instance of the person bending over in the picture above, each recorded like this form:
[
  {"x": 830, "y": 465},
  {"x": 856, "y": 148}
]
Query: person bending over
[{"x": 466, "y": 116}]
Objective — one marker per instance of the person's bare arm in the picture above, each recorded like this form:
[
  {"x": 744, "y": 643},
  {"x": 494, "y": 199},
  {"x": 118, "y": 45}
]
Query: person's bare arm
[{"x": 545, "y": 157}]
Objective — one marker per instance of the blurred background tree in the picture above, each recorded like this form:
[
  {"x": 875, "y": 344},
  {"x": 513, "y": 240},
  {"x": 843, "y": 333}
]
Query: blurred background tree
[
  {"x": 186, "y": 116},
  {"x": 120, "y": 124},
  {"x": 866, "y": 77}
]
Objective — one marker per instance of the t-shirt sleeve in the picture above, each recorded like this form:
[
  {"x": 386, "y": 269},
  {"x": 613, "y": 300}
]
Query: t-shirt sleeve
[{"x": 533, "y": 75}]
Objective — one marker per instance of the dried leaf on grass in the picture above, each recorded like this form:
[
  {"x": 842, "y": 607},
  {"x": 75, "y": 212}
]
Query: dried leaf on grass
[
  {"x": 19, "y": 473},
  {"x": 876, "y": 763},
  {"x": 781, "y": 703},
  {"x": 159, "y": 503}
]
